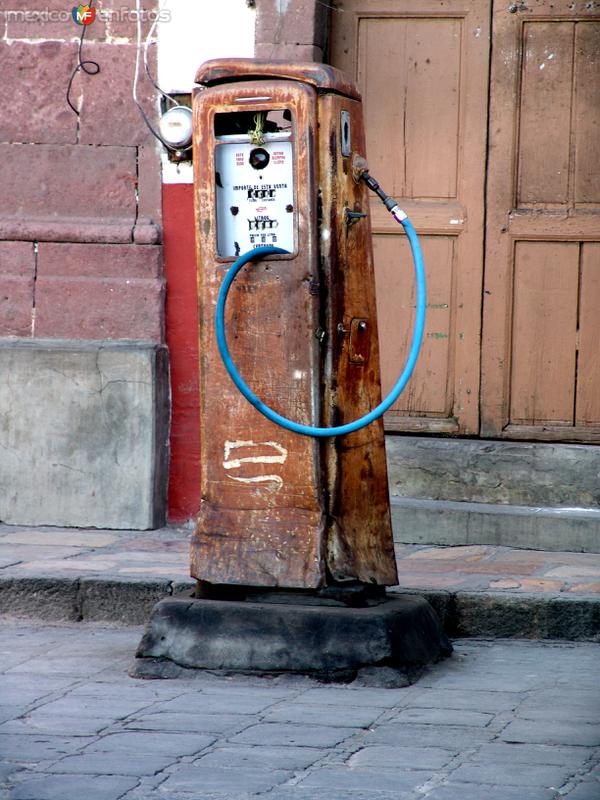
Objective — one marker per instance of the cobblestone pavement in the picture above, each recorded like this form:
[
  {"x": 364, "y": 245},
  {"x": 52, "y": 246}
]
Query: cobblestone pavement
[{"x": 500, "y": 720}]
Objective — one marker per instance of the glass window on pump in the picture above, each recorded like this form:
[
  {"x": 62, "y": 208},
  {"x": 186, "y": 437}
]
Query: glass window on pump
[{"x": 254, "y": 178}]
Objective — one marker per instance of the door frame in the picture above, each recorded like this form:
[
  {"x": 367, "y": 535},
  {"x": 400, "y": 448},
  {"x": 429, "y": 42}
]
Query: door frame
[
  {"x": 461, "y": 218},
  {"x": 506, "y": 224}
]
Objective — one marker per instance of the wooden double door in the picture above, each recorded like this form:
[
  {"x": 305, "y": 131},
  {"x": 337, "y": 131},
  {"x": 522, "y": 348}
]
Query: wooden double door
[{"x": 483, "y": 120}]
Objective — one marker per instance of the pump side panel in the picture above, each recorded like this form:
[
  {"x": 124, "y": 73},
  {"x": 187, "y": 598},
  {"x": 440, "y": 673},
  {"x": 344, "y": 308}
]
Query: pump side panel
[
  {"x": 360, "y": 543},
  {"x": 261, "y": 519}
]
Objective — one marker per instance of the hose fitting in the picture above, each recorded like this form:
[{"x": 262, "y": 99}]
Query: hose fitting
[{"x": 389, "y": 202}]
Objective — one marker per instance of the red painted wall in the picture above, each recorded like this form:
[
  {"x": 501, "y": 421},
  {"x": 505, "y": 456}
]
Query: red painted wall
[{"x": 182, "y": 339}]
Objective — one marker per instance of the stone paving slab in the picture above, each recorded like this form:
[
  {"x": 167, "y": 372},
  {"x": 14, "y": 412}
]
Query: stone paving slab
[
  {"x": 117, "y": 576},
  {"x": 462, "y": 732}
]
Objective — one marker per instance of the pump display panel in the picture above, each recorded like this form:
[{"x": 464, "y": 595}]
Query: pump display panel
[{"x": 255, "y": 192}]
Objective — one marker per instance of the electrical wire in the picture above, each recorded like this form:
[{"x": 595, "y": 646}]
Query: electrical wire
[
  {"x": 136, "y": 77},
  {"x": 149, "y": 75},
  {"x": 378, "y": 411},
  {"x": 89, "y": 66}
]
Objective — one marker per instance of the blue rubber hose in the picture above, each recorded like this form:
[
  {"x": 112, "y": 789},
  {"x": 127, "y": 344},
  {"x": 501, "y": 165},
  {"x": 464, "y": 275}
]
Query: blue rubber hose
[{"x": 378, "y": 411}]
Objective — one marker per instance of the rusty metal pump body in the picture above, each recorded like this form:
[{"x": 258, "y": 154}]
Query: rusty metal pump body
[{"x": 279, "y": 509}]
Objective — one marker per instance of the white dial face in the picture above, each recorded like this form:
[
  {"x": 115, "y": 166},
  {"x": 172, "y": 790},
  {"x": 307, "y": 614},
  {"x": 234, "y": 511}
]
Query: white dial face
[{"x": 255, "y": 194}]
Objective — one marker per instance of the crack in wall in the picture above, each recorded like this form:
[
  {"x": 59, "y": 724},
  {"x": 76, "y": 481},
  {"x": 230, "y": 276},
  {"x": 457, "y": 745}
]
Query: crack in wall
[{"x": 34, "y": 288}]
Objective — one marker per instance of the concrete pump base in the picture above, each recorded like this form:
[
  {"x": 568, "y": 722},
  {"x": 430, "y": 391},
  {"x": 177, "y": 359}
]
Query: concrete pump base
[{"x": 302, "y": 636}]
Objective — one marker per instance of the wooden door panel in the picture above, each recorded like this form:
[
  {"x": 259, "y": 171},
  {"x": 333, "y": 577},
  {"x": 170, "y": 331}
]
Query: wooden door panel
[
  {"x": 588, "y": 374},
  {"x": 427, "y": 393},
  {"x": 416, "y": 127},
  {"x": 587, "y": 112},
  {"x": 540, "y": 334},
  {"x": 545, "y": 121},
  {"x": 544, "y": 332},
  {"x": 423, "y": 72}
]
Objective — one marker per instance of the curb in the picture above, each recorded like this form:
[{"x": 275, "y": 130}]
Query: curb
[
  {"x": 125, "y": 601},
  {"x": 129, "y": 601},
  {"x": 523, "y": 616}
]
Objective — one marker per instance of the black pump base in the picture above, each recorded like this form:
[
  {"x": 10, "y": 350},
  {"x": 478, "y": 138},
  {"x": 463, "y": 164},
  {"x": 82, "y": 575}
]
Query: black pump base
[{"x": 285, "y": 632}]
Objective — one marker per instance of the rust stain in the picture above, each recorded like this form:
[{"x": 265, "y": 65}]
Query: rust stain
[{"x": 321, "y": 76}]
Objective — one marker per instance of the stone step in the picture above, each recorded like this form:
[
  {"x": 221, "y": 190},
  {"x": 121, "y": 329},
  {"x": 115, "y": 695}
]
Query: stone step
[
  {"x": 541, "y": 496},
  {"x": 447, "y": 522}
]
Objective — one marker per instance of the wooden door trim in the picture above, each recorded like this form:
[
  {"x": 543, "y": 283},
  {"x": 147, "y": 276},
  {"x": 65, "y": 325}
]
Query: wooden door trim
[
  {"x": 460, "y": 218},
  {"x": 422, "y": 425},
  {"x": 429, "y": 217},
  {"x": 504, "y": 78},
  {"x": 506, "y": 223},
  {"x": 553, "y": 433}
]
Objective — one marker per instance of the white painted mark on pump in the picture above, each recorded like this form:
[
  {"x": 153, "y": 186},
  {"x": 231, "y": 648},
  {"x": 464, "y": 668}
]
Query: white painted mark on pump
[{"x": 235, "y": 463}]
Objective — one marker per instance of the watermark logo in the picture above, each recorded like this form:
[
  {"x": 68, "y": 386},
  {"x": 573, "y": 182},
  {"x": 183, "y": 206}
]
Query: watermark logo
[{"x": 83, "y": 14}]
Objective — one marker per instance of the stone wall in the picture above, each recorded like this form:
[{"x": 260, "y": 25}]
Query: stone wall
[
  {"x": 297, "y": 30},
  {"x": 83, "y": 433},
  {"x": 81, "y": 257},
  {"x": 92, "y": 179},
  {"x": 81, "y": 273}
]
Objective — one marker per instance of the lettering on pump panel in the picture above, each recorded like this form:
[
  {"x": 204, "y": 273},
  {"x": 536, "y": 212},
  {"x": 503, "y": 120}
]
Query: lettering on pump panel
[{"x": 254, "y": 181}]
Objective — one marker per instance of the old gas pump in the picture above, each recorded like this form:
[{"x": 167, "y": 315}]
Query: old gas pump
[
  {"x": 278, "y": 151},
  {"x": 294, "y": 480}
]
